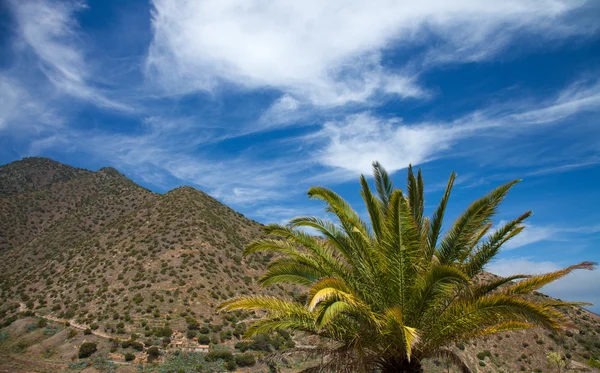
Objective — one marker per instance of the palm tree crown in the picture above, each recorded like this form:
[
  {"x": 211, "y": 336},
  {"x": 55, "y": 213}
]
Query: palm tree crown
[{"x": 389, "y": 294}]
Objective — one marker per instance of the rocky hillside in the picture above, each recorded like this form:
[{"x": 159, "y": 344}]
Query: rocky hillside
[
  {"x": 139, "y": 269},
  {"x": 99, "y": 251}
]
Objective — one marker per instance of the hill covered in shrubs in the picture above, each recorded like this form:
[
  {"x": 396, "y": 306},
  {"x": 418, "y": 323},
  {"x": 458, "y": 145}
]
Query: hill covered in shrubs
[{"x": 95, "y": 269}]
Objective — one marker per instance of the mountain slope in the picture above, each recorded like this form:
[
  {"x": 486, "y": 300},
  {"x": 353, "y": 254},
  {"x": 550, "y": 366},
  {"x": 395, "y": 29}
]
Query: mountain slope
[
  {"x": 98, "y": 250},
  {"x": 115, "y": 255},
  {"x": 24, "y": 216},
  {"x": 184, "y": 242}
]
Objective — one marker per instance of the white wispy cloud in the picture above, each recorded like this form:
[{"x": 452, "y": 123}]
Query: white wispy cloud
[
  {"x": 49, "y": 30},
  {"x": 580, "y": 96},
  {"x": 565, "y": 167},
  {"x": 335, "y": 153},
  {"x": 360, "y": 139},
  {"x": 531, "y": 234},
  {"x": 330, "y": 53},
  {"x": 24, "y": 111},
  {"x": 284, "y": 110},
  {"x": 169, "y": 147},
  {"x": 546, "y": 233},
  {"x": 524, "y": 265},
  {"x": 353, "y": 143},
  {"x": 284, "y": 213}
]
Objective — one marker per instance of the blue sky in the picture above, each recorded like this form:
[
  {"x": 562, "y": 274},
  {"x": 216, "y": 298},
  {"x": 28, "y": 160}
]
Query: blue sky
[{"x": 254, "y": 101}]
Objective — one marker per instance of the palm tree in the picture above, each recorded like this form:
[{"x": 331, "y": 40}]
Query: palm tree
[{"x": 388, "y": 295}]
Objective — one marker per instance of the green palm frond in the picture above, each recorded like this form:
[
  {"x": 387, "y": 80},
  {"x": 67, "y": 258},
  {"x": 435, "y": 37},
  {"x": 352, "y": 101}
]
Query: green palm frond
[
  {"x": 490, "y": 248},
  {"x": 488, "y": 287},
  {"x": 291, "y": 271},
  {"x": 374, "y": 208},
  {"x": 535, "y": 282},
  {"x": 383, "y": 183},
  {"x": 415, "y": 196},
  {"x": 392, "y": 292},
  {"x": 477, "y": 215},
  {"x": 438, "y": 217}
]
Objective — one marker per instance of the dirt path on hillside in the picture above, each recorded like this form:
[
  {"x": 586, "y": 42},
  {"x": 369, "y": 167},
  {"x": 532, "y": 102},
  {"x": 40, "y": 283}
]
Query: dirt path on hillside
[{"x": 23, "y": 308}]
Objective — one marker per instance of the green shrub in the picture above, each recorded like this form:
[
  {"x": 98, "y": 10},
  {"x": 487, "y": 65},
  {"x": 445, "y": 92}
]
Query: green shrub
[
  {"x": 594, "y": 363},
  {"x": 226, "y": 335},
  {"x": 483, "y": 354},
  {"x": 42, "y": 323},
  {"x": 9, "y": 321},
  {"x": 87, "y": 349},
  {"x": 72, "y": 333},
  {"x": 153, "y": 351},
  {"x": 129, "y": 356},
  {"x": 261, "y": 342},
  {"x": 242, "y": 346},
  {"x": 203, "y": 339},
  {"x": 88, "y": 331},
  {"x": 165, "y": 331},
  {"x": 245, "y": 360},
  {"x": 51, "y": 330},
  {"x": 219, "y": 355},
  {"x": 31, "y": 327},
  {"x": 192, "y": 323},
  {"x": 137, "y": 299}
]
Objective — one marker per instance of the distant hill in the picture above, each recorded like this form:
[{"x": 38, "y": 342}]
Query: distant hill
[{"x": 100, "y": 251}]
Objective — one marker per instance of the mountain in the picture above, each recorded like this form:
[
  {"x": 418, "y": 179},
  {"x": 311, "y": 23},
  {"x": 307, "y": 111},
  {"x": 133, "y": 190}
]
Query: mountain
[
  {"x": 35, "y": 173},
  {"x": 98, "y": 251},
  {"x": 57, "y": 193}
]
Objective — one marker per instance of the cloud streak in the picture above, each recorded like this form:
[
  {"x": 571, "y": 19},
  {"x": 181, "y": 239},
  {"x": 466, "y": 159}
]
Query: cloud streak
[
  {"x": 22, "y": 110},
  {"x": 335, "y": 153},
  {"x": 353, "y": 143},
  {"x": 49, "y": 30},
  {"x": 168, "y": 148},
  {"x": 546, "y": 233},
  {"x": 330, "y": 53}
]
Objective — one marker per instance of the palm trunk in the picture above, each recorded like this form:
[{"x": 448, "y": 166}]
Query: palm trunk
[{"x": 402, "y": 366}]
